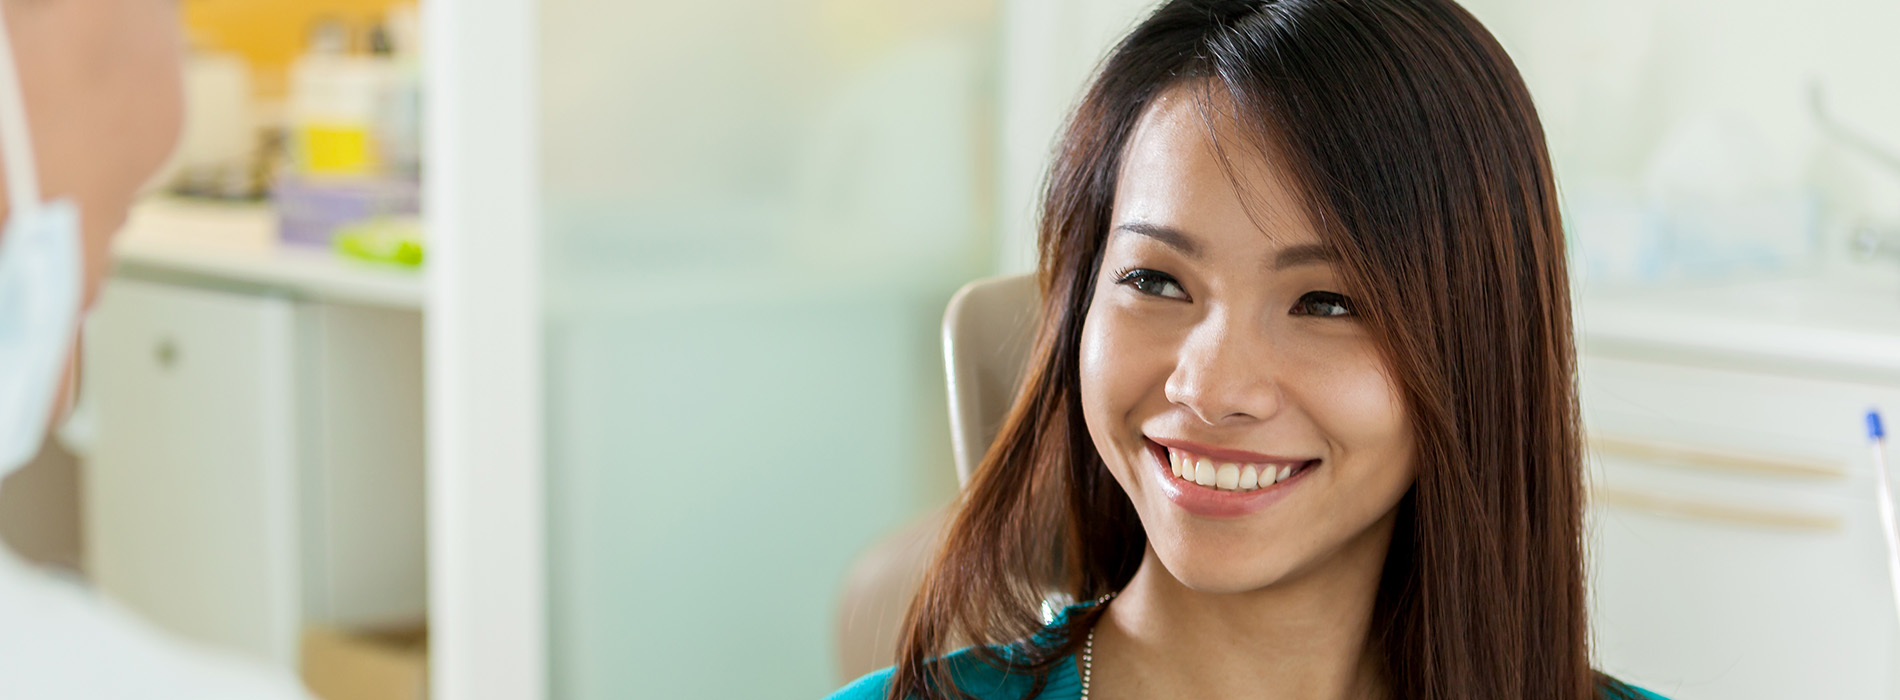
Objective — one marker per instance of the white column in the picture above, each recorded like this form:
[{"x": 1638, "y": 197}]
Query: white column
[{"x": 487, "y": 566}]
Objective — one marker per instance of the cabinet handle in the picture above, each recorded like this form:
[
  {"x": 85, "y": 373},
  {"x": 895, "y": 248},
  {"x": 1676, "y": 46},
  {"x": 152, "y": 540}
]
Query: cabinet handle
[
  {"x": 166, "y": 353},
  {"x": 1718, "y": 513},
  {"x": 1715, "y": 459}
]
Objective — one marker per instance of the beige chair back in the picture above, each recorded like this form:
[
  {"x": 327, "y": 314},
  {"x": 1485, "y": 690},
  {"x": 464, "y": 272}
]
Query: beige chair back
[{"x": 986, "y": 334}]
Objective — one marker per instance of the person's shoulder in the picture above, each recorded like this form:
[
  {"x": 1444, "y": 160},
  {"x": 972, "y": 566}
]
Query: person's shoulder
[
  {"x": 1627, "y": 691},
  {"x": 989, "y": 674},
  {"x": 973, "y": 674},
  {"x": 872, "y": 686}
]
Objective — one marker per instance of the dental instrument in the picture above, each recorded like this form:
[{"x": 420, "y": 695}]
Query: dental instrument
[{"x": 1878, "y": 436}]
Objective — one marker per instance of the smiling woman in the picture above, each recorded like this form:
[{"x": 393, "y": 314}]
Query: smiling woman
[
  {"x": 1301, "y": 403},
  {"x": 1228, "y": 345}
]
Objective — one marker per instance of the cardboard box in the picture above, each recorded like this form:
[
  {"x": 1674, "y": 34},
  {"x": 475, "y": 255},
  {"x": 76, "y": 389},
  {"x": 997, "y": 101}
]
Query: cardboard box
[{"x": 366, "y": 665}]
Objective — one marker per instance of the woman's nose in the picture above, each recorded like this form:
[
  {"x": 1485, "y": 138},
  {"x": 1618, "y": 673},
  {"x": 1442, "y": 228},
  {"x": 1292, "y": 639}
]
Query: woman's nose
[{"x": 1225, "y": 377}]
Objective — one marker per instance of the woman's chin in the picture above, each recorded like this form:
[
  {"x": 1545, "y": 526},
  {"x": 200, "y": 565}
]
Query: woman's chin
[{"x": 1205, "y": 570}]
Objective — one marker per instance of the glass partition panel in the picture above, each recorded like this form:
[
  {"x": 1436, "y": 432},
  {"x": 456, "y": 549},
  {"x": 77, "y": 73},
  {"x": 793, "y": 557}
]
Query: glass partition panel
[{"x": 755, "y": 212}]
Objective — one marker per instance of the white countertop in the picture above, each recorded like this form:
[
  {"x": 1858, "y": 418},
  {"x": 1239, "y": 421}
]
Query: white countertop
[
  {"x": 237, "y": 243},
  {"x": 1842, "y": 323}
]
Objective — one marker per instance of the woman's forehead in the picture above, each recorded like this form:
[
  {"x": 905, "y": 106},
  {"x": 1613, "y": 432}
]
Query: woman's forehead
[{"x": 1192, "y": 165}]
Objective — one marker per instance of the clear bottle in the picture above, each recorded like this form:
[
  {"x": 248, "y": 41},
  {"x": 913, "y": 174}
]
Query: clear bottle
[{"x": 332, "y": 106}]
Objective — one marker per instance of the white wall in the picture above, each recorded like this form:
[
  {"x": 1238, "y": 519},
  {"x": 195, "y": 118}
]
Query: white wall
[
  {"x": 1644, "y": 101},
  {"x": 1050, "y": 49}
]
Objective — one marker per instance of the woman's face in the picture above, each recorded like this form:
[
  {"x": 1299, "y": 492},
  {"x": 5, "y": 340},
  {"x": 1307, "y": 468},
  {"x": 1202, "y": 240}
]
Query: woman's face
[
  {"x": 1226, "y": 344},
  {"x": 103, "y": 99}
]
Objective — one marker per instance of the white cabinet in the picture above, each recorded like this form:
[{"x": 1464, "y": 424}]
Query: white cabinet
[
  {"x": 258, "y": 461},
  {"x": 189, "y": 496},
  {"x": 362, "y": 491},
  {"x": 1736, "y": 550}
]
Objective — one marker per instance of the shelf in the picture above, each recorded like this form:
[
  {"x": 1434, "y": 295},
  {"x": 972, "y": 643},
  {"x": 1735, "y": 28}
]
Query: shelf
[
  {"x": 236, "y": 245},
  {"x": 1840, "y": 324}
]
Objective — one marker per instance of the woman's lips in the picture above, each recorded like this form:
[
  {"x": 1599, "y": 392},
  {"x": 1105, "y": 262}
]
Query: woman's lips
[
  {"x": 1222, "y": 454},
  {"x": 1203, "y": 483}
]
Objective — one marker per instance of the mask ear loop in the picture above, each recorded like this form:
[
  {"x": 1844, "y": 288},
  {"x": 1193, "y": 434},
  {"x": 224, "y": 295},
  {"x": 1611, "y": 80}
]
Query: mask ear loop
[{"x": 16, "y": 145}]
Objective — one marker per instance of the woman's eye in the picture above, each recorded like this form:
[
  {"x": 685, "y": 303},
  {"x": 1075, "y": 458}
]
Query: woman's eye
[
  {"x": 1151, "y": 283},
  {"x": 1323, "y": 304}
]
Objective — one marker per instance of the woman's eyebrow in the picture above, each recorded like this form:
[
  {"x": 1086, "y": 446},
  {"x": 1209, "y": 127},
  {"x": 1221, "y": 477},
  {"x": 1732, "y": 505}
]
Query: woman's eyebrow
[
  {"x": 1303, "y": 254},
  {"x": 1290, "y": 256},
  {"x": 1172, "y": 237}
]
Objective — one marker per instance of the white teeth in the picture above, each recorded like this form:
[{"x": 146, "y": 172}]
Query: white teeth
[{"x": 1227, "y": 476}]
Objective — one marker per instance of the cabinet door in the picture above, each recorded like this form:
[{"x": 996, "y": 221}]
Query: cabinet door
[
  {"x": 190, "y": 492},
  {"x": 362, "y": 478},
  {"x": 1736, "y": 549},
  {"x": 1705, "y": 590}
]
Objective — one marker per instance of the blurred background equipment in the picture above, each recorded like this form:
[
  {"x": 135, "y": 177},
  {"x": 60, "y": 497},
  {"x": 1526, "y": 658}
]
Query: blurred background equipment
[
  {"x": 1724, "y": 170},
  {"x": 249, "y": 469}
]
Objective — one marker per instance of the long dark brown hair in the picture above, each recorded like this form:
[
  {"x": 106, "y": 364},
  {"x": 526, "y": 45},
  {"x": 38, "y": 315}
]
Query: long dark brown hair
[{"x": 1420, "y": 156}]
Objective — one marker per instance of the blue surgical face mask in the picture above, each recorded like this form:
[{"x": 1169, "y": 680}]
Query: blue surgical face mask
[{"x": 40, "y": 281}]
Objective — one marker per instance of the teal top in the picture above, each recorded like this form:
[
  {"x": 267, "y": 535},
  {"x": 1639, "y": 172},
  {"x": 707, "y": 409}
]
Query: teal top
[{"x": 987, "y": 682}]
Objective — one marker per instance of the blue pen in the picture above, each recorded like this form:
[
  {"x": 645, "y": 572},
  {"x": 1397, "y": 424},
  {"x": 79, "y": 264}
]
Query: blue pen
[{"x": 1877, "y": 435}]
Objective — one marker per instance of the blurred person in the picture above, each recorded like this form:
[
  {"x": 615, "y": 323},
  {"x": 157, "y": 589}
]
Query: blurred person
[
  {"x": 89, "y": 108},
  {"x": 1300, "y": 418}
]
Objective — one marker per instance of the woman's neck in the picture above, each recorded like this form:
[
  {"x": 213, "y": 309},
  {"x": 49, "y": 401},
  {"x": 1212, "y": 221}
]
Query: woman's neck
[{"x": 1306, "y": 637}]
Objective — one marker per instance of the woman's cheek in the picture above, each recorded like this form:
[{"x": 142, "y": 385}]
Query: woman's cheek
[
  {"x": 152, "y": 51},
  {"x": 1355, "y": 401},
  {"x": 1118, "y": 364},
  {"x": 1103, "y": 363},
  {"x": 1097, "y": 375}
]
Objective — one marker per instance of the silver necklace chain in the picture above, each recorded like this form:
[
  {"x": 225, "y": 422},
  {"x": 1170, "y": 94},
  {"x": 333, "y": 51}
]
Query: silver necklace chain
[
  {"x": 1088, "y": 656},
  {"x": 1088, "y": 647}
]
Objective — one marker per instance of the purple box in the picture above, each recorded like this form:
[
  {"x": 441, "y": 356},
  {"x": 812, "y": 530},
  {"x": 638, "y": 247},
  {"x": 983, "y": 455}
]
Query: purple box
[{"x": 310, "y": 211}]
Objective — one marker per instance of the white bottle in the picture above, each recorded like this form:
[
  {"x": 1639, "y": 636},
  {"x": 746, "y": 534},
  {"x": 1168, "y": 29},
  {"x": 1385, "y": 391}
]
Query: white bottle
[{"x": 332, "y": 108}]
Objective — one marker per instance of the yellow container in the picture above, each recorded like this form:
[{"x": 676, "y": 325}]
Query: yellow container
[{"x": 335, "y": 149}]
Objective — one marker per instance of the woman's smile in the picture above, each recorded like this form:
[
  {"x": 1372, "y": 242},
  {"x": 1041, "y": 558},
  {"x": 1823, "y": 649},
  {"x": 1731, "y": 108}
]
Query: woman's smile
[{"x": 1222, "y": 483}]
